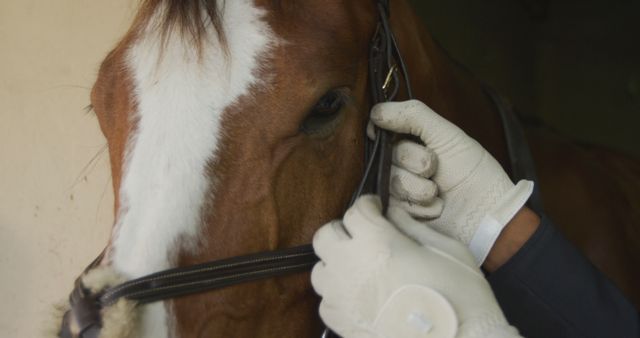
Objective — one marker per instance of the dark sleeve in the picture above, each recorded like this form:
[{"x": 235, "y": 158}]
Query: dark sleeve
[{"x": 548, "y": 289}]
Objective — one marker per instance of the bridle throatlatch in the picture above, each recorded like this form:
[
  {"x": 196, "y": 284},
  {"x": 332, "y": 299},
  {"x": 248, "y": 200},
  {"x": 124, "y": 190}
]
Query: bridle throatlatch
[{"x": 386, "y": 66}]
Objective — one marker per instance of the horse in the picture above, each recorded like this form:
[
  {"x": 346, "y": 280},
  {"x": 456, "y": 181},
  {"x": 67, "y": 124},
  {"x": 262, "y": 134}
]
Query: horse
[{"x": 238, "y": 126}]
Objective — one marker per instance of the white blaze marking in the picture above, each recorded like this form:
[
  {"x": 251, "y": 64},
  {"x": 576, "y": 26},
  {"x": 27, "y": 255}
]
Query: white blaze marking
[{"x": 180, "y": 100}]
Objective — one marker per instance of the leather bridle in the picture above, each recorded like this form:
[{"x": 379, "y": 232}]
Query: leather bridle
[{"x": 386, "y": 66}]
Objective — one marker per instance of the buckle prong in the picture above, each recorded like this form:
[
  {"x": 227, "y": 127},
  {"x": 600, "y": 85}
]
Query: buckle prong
[{"x": 389, "y": 78}]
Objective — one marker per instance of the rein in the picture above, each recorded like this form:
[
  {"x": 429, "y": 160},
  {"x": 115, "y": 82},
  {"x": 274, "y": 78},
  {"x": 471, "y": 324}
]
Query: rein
[{"x": 385, "y": 64}]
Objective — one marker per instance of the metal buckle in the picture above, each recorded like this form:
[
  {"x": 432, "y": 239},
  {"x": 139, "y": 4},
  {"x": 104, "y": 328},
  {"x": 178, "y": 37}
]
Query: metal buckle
[{"x": 388, "y": 79}]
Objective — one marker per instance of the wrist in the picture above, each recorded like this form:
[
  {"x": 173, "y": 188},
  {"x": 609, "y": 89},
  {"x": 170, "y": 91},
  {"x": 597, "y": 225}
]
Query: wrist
[{"x": 514, "y": 235}]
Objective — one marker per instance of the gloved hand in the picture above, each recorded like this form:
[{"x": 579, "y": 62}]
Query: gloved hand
[
  {"x": 479, "y": 197},
  {"x": 409, "y": 185},
  {"x": 381, "y": 283}
]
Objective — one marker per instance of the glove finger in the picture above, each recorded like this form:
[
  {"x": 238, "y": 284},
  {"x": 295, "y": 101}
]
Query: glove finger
[
  {"x": 415, "y": 158},
  {"x": 320, "y": 279},
  {"x": 364, "y": 218},
  {"x": 415, "y": 118},
  {"x": 371, "y": 130},
  {"x": 327, "y": 240},
  {"x": 429, "y": 237},
  {"x": 412, "y": 188},
  {"x": 430, "y": 211}
]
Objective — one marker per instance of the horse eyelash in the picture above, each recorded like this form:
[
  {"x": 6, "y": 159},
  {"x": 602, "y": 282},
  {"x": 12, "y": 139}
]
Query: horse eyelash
[{"x": 89, "y": 109}]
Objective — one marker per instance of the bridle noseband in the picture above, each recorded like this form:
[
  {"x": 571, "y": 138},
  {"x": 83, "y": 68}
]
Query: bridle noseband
[{"x": 386, "y": 66}]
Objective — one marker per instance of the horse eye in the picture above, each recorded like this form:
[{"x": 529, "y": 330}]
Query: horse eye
[
  {"x": 329, "y": 104},
  {"x": 324, "y": 115}
]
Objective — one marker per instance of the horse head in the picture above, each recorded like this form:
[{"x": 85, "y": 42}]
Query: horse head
[{"x": 236, "y": 127}]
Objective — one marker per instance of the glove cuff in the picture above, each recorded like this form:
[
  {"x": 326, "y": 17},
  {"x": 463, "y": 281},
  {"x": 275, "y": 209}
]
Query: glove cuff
[
  {"x": 501, "y": 331},
  {"x": 496, "y": 219},
  {"x": 492, "y": 325}
]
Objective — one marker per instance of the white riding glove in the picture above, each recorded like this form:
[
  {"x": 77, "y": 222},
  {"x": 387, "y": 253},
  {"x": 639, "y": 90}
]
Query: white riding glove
[
  {"x": 381, "y": 283},
  {"x": 409, "y": 185},
  {"x": 479, "y": 197}
]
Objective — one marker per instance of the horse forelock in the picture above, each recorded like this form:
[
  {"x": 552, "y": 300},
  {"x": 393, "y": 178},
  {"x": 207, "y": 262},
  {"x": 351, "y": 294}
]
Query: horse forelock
[
  {"x": 194, "y": 19},
  {"x": 181, "y": 89}
]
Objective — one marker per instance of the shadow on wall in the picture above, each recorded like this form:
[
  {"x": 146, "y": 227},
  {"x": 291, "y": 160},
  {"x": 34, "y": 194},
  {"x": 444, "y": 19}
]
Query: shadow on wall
[{"x": 573, "y": 64}]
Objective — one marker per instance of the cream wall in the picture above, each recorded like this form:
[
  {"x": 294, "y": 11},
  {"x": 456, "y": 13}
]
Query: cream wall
[{"x": 55, "y": 202}]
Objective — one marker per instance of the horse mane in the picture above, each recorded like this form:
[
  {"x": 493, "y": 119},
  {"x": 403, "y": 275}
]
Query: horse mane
[{"x": 186, "y": 16}]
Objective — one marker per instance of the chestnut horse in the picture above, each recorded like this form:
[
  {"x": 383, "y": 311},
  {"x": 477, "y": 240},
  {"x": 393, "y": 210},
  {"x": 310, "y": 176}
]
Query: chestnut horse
[{"x": 237, "y": 127}]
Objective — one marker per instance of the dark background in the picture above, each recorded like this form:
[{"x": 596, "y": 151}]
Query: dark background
[{"x": 573, "y": 64}]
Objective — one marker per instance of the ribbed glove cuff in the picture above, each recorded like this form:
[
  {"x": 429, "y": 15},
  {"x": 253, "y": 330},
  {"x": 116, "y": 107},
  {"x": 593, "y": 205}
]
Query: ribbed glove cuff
[{"x": 493, "y": 325}]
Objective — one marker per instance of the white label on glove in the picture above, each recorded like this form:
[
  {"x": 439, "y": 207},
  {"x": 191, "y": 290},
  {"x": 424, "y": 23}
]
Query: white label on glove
[
  {"x": 419, "y": 321},
  {"x": 487, "y": 233}
]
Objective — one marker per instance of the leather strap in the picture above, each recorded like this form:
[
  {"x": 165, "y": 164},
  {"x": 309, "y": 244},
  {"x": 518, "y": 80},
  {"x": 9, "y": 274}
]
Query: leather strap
[
  {"x": 86, "y": 307},
  {"x": 522, "y": 164},
  {"x": 385, "y": 63},
  {"x": 212, "y": 275}
]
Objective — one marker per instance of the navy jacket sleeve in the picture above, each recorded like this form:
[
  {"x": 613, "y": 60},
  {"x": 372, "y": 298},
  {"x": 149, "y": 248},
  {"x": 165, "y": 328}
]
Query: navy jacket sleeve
[{"x": 548, "y": 289}]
